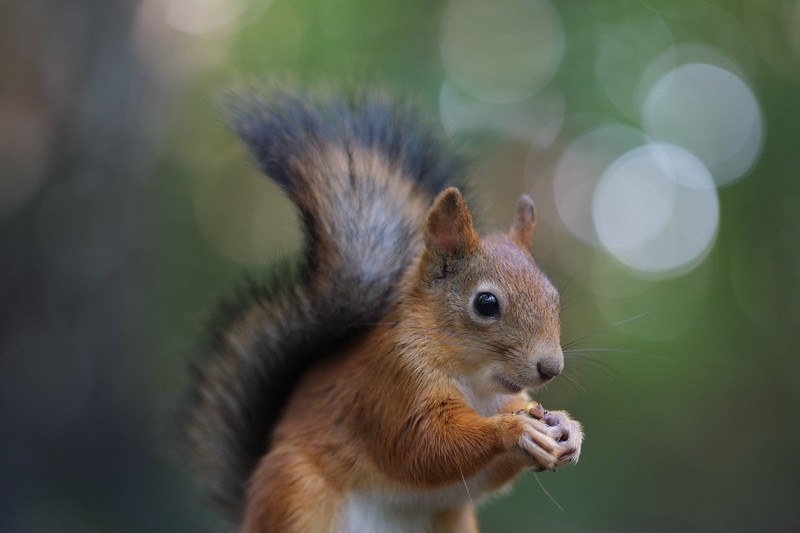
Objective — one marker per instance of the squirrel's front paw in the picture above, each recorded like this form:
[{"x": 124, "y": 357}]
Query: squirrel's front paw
[{"x": 552, "y": 440}]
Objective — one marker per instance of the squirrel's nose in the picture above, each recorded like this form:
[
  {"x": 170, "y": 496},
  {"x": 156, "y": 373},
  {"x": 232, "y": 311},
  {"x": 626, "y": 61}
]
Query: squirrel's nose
[{"x": 550, "y": 367}]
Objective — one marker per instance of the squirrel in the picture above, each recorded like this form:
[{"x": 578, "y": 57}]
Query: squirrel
[{"x": 379, "y": 382}]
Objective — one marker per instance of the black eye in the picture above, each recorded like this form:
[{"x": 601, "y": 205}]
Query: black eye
[{"x": 486, "y": 304}]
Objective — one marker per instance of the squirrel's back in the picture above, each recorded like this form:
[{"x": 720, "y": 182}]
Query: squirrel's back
[{"x": 363, "y": 171}]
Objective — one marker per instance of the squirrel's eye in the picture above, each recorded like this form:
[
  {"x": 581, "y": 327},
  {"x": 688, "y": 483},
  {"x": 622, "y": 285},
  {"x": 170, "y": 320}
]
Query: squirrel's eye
[{"x": 486, "y": 304}]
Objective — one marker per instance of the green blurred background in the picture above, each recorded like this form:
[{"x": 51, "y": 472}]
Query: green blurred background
[{"x": 659, "y": 140}]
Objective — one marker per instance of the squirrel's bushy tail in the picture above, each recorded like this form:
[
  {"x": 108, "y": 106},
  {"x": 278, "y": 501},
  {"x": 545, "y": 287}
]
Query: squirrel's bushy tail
[{"x": 362, "y": 171}]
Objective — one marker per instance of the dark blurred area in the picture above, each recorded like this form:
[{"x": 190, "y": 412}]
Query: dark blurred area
[
  {"x": 78, "y": 108},
  {"x": 657, "y": 138}
]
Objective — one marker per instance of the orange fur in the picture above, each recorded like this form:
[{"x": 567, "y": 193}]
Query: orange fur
[{"x": 419, "y": 415}]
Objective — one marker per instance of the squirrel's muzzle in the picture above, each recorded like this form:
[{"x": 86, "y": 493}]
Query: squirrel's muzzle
[{"x": 550, "y": 367}]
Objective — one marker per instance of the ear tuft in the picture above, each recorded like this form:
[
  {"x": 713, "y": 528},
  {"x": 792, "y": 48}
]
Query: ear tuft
[
  {"x": 448, "y": 229},
  {"x": 524, "y": 226}
]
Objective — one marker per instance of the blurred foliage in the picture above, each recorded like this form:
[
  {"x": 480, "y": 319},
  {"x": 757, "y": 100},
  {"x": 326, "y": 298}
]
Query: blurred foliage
[{"x": 128, "y": 208}]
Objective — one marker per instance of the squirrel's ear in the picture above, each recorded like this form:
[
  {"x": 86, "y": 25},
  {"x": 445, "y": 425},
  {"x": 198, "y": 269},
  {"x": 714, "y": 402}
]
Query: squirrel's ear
[
  {"x": 448, "y": 229},
  {"x": 524, "y": 226}
]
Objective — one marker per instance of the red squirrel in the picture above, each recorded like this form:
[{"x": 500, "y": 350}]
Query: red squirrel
[{"x": 377, "y": 383}]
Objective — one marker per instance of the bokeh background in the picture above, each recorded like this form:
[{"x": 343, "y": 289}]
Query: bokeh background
[{"x": 658, "y": 138}]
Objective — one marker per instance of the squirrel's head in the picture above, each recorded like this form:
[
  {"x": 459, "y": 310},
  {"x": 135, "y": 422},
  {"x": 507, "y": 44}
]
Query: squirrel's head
[{"x": 488, "y": 298}]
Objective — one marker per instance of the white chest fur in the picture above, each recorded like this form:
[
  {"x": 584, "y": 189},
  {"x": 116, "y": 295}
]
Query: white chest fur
[
  {"x": 371, "y": 512},
  {"x": 409, "y": 511},
  {"x": 487, "y": 403}
]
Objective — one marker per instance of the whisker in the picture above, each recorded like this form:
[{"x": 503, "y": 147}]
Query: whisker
[
  {"x": 586, "y": 352},
  {"x": 575, "y": 384},
  {"x": 594, "y": 364},
  {"x": 466, "y": 488},
  {"x": 573, "y": 277},
  {"x": 608, "y": 350},
  {"x": 583, "y": 341},
  {"x": 596, "y": 333},
  {"x": 541, "y": 486},
  {"x": 578, "y": 371}
]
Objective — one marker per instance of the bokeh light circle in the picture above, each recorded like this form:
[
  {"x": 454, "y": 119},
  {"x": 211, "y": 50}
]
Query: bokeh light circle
[
  {"x": 501, "y": 51},
  {"x": 709, "y": 111},
  {"x": 201, "y": 16},
  {"x": 578, "y": 169},
  {"x": 656, "y": 209},
  {"x": 536, "y": 120},
  {"x": 624, "y": 53}
]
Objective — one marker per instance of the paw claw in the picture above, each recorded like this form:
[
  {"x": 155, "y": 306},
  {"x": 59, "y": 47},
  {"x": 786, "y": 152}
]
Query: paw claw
[
  {"x": 551, "y": 441},
  {"x": 552, "y": 419}
]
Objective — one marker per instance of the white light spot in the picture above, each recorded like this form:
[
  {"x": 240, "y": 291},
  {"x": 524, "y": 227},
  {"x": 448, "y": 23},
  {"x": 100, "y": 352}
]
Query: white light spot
[
  {"x": 578, "y": 170},
  {"x": 711, "y": 112},
  {"x": 624, "y": 54},
  {"x": 201, "y": 16},
  {"x": 501, "y": 51},
  {"x": 536, "y": 120},
  {"x": 656, "y": 209}
]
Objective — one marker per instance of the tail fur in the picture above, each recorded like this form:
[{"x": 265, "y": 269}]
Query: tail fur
[{"x": 362, "y": 171}]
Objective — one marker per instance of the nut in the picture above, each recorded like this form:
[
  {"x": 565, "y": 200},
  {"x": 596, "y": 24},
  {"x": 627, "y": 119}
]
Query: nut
[{"x": 534, "y": 409}]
